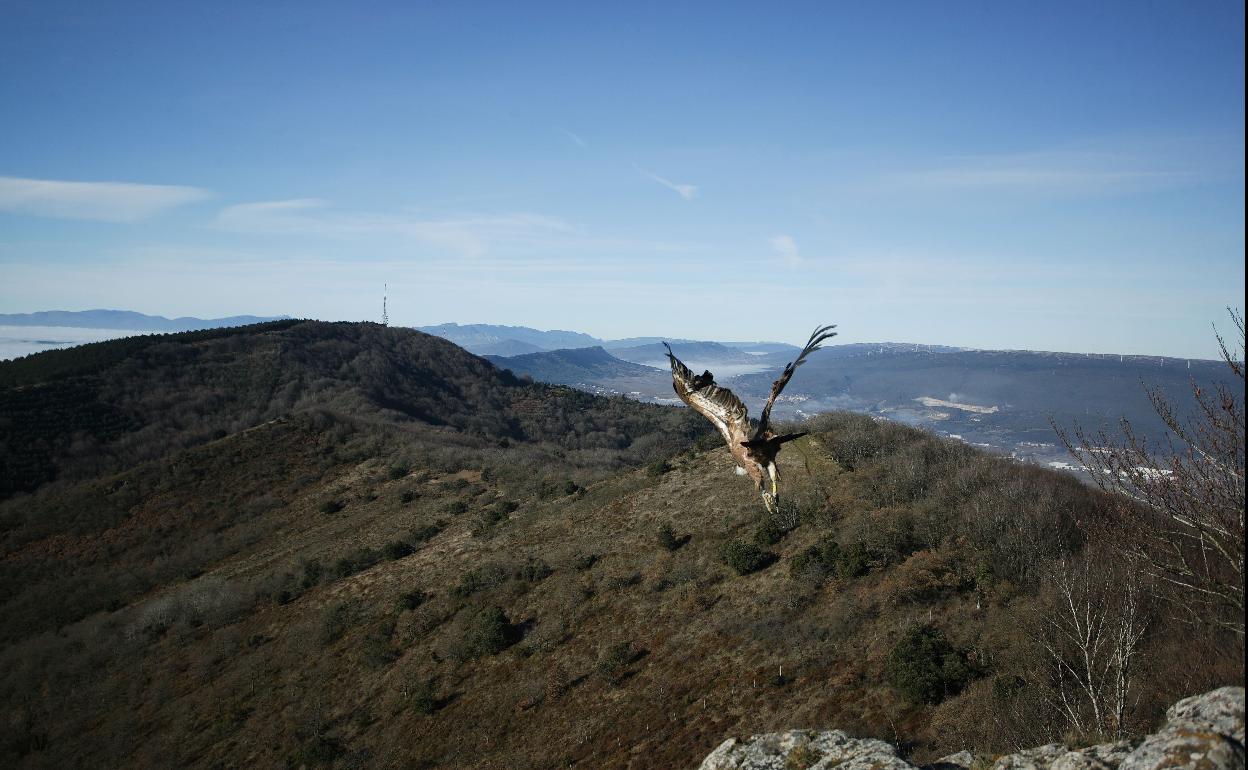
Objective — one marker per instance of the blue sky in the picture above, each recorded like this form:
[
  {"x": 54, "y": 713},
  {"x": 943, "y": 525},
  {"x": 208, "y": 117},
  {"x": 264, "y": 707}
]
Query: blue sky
[{"x": 1060, "y": 176}]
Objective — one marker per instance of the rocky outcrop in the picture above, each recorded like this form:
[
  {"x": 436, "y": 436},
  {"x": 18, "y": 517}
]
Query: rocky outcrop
[
  {"x": 805, "y": 749},
  {"x": 1204, "y": 731}
]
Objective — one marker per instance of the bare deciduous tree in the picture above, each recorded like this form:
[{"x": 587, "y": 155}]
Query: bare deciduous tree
[
  {"x": 1091, "y": 636},
  {"x": 1184, "y": 501}
]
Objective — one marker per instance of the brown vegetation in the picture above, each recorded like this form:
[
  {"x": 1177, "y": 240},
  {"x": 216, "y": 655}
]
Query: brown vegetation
[{"x": 463, "y": 605}]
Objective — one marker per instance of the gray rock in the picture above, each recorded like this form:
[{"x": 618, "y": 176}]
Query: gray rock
[
  {"x": 1204, "y": 732},
  {"x": 963, "y": 760},
  {"x": 1039, "y": 758},
  {"x": 1112, "y": 754},
  {"x": 1186, "y": 748},
  {"x": 1103, "y": 757},
  {"x": 1077, "y": 760},
  {"x": 804, "y": 749},
  {"x": 1220, "y": 711}
]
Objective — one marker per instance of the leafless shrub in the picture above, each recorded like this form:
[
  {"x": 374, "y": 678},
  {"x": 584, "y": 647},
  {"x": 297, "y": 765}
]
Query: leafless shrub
[
  {"x": 1091, "y": 634},
  {"x": 211, "y": 601},
  {"x": 1184, "y": 497}
]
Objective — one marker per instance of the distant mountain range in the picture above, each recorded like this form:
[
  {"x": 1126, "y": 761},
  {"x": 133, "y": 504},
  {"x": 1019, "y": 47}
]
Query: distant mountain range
[
  {"x": 998, "y": 399},
  {"x": 654, "y": 354},
  {"x": 127, "y": 320},
  {"x": 492, "y": 340},
  {"x": 1004, "y": 400}
]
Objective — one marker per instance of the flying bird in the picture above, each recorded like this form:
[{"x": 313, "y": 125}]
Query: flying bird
[{"x": 753, "y": 447}]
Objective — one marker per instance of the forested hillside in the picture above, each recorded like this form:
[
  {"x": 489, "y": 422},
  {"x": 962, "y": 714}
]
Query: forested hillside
[
  {"x": 343, "y": 545},
  {"x": 103, "y": 407}
]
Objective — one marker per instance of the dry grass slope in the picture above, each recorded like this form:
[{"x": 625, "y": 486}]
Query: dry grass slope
[{"x": 339, "y": 589}]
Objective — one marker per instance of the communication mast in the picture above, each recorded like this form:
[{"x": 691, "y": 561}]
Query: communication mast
[{"x": 385, "y": 317}]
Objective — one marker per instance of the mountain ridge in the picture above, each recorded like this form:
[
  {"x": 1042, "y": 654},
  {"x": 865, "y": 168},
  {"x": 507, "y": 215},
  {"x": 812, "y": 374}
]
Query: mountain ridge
[
  {"x": 570, "y": 367},
  {"x": 127, "y": 320},
  {"x": 344, "y": 545}
]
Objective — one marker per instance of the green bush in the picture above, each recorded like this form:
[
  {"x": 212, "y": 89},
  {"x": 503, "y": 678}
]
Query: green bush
[
  {"x": 427, "y": 532},
  {"x": 821, "y": 561},
  {"x": 397, "y": 549},
  {"x": 422, "y": 696},
  {"x": 332, "y": 506},
  {"x": 745, "y": 558},
  {"x": 479, "y": 579},
  {"x": 658, "y": 468},
  {"x": 396, "y": 471},
  {"x": 533, "y": 570},
  {"x": 852, "y": 561},
  {"x": 769, "y": 533},
  {"x": 485, "y": 520},
  {"x": 312, "y": 573},
  {"x": 667, "y": 538},
  {"x": 614, "y": 659},
  {"x": 816, "y": 562},
  {"x": 412, "y": 599},
  {"x": 357, "y": 561},
  {"x": 489, "y": 633},
  {"x": 926, "y": 668}
]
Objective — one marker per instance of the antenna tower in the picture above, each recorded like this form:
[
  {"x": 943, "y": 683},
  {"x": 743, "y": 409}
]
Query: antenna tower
[{"x": 385, "y": 317}]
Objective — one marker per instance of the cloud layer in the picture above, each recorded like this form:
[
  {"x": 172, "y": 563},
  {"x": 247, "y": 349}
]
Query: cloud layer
[{"x": 99, "y": 201}]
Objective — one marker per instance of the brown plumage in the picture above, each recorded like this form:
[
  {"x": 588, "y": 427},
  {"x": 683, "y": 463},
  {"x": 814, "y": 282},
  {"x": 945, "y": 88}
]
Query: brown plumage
[{"x": 754, "y": 448}]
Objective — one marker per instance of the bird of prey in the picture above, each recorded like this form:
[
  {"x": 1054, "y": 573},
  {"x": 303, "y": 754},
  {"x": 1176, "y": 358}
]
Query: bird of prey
[{"x": 753, "y": 447}]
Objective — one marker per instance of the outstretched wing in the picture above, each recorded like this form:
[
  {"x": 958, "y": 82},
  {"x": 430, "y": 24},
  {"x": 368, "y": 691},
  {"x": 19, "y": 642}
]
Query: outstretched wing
[
  {"x": 719, "y": 405},
  {"x": 816, "y": 337}
]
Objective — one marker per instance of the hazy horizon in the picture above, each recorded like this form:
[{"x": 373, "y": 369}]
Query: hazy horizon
[
  {"x": 1056, "y": 177},
  {"x": 22, "y": 340}
]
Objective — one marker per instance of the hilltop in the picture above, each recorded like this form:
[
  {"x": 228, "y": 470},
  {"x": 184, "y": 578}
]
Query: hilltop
[
  {"x": 104, "y": 406},
  {"x": 340, "y": 545}
]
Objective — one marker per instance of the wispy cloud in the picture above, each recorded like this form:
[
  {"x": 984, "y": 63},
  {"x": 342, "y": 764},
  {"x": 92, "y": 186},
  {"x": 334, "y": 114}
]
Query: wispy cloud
[
  {"x": 469, "y": 236},
  {"x": 280, "y": 217},
  {"x": 1043, "y": 172},
  {"x": 575, "y": 137},
  {"x": 101, "y": 201},
  {"x": 786, "y": 248},
  {"x": 686, "y": 191}
]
